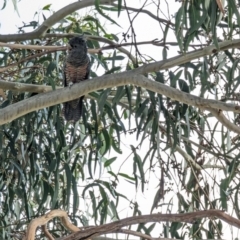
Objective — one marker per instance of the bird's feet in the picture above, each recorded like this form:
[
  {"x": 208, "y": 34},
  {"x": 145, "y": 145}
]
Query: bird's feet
[{"x": 70, "y": 85}]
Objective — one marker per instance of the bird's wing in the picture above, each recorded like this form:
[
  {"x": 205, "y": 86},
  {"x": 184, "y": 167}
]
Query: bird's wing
[{"x": 75, "y": 74}]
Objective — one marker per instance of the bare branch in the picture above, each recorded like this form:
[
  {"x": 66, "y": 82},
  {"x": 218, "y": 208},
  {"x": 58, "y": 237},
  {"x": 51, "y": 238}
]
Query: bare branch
[
  {"x": 37, "y": 47},
  {"x": 67, "y": 94},
  {"x": 23, "y": 87},
  {"x": 182, "y": 217},
  {"x": 33, "y": 47},
  {"x": 47, "y": 233},
  {"x": 138, "y": 234},
  {"x": 147, "y": 12},
  {"x": 187, "y": 57},
  {"x": 4, "y": 69},
  {"x": 154, "y": 42},
  {"x": 222, "y": 119},
  {"x": 117, "y": 225},
  {"x": 64, "y": 48},
  {"x": 30, "y": 235},
  {"x": 121, "y": 49}
]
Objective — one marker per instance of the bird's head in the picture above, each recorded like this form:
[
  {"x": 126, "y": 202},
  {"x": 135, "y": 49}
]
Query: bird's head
[{"x": 77, "y": 44}]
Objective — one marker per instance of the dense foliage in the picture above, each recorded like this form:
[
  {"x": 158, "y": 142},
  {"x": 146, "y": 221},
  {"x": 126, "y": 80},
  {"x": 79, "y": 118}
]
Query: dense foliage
[{"x": 191, "y": 152}]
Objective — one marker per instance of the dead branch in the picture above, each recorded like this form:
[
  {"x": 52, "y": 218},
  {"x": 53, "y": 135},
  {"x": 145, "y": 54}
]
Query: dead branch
[
  {"x": 30, "y": 235},
  {"x": 38, "y": 47},
  {"x": 118, "y": 225},
  {"x": 24, "y": 87},
  {"x": 47, "y": 233}
]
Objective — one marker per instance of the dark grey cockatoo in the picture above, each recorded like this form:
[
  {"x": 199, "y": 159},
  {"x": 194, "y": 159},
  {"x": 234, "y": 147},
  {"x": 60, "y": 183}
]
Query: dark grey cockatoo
[{"x": 76, "y": 69}]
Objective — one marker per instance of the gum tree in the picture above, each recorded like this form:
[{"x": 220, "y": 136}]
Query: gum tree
[{"x": 176, "y": 115}]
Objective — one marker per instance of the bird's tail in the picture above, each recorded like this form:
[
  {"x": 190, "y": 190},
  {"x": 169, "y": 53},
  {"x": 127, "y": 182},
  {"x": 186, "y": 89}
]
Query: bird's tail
[{"x": 73, "y": 110}]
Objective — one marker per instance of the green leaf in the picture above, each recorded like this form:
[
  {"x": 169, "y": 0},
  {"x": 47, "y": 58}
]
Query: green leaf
[
  {"x": 102, "y": 100},
  {"x": 223, "y": 193},
  {"x": 234, "y": 8},
  {"x": 45, "y": 190},
  {"x": 15, "y": 6},
  {"x": 69, "y": 183},
  {"x": 105, "y": 142},
  {"x": 94, "y": 204},
  {"x": 119, "y": 7},
  {"x": 114, "y": 210},
  {"x": 109, "y": 161},
  {"x": 183, "y": 86},
  {"x": 116, "y": 146},
  {"x": 75, "y": 196},
  {"x": 174, "y": 78},
  {"x": 50, "y": 68},
  {"x": 114, "y": 58},
  {"x": 178, "y": 27},
  {"x": 47, "y": 7},
  {"x": 213, "y": 20},
  {"x": 196, "y": 25},
  {"x": 138, "y": 161},
  {"x": 97, "y": 5},
  {"x": 4, "y": 4},
  {"x": 119, "y": 94},
  {"x": 164, "y": 53},
  {"x": 112, "y": 70},
  {"x": 54, "y": 195},
  {"x": 126, "y": 176},
  {"x": 18, "y": 168}
]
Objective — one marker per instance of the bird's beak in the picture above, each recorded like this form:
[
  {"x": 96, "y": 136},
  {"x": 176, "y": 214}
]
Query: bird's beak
[{"x": 69, "y": 48}]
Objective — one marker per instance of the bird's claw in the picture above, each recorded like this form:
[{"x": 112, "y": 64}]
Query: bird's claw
[{"x": 70, "y": 85}]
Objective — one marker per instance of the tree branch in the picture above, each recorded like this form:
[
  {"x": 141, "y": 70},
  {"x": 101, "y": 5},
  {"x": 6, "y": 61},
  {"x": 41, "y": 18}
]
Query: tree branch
[
  {"x": 187, "y": 57},
  {"x": 64, "y": 48},
  {"x": 38, "y": 47},
  {"x": 148, "y": 13},
  {"x": 108, "y": 81},
  {"x": 120, "y": 79},
  {"x": 182, "y": 217},
  {"x": 222, "y": 119},
  {"x": 53, "y": 19},
  {"x": 24, "y": 87},
  {"x": 111, "y": 43},
  {"x": 179, "y": 60},
  {"x": 48, "y": 49},
  {"x": 117, "y": 225}
]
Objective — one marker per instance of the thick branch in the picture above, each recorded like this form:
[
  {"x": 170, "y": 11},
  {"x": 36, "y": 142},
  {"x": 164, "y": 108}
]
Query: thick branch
[
  {"x": 130, "y": 77},
  {"x": 182, "y": 217},
  {"x": 187, "y": 57},
  {"x": 117, "y": 225},
  {"x": 179, "y": 60},
  {"x": 109, "y": 81},
  {"x": 30, "y": 235},
  {"x": 56, "y": 17}
]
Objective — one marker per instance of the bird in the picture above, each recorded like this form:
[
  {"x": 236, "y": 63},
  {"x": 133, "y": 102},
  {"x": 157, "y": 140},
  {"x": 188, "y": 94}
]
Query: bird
[{"x": 76, "y": 68}]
